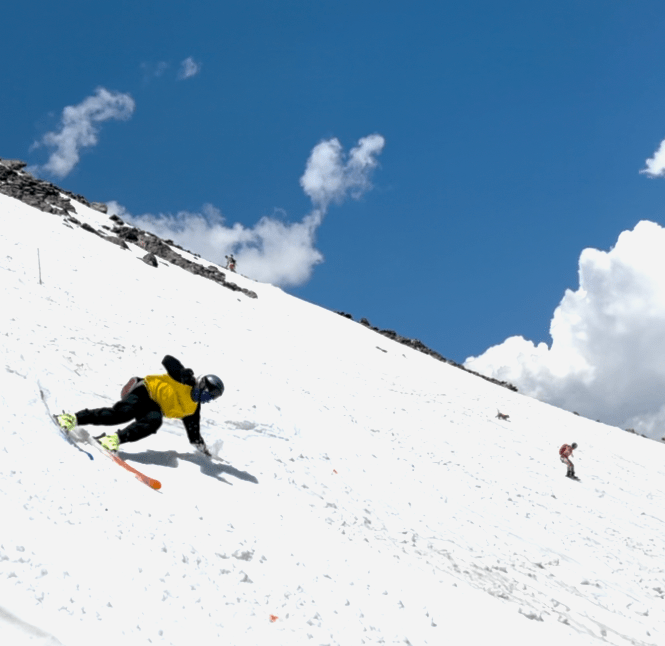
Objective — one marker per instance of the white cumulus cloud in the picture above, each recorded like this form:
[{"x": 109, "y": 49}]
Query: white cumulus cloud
[
  {"x": 79, "y": 128},
  {"x": 606, "y": 360},
  {"x": 188, "y": 68},
  {"x": 656, "y": 164},
  {"x": 273, "y": 250},
  {"x": 329, "y": 177}
]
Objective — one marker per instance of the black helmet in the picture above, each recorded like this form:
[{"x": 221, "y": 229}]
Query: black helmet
[
  {"x": 573, "y": 445},
  {"x": 207, "y": 388}
]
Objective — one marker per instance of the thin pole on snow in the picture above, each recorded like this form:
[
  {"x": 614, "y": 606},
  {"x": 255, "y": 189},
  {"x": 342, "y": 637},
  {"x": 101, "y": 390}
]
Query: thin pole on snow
[{"x": 39, "y": 265}]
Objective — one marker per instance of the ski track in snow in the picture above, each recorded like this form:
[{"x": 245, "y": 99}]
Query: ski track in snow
[{"x": 370, "y": 495}]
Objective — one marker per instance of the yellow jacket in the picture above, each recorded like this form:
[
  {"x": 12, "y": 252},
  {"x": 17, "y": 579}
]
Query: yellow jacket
[{"x": 174, "y": 398}]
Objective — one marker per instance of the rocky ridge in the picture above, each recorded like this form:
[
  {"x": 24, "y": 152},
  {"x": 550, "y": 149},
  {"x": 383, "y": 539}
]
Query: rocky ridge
[
  {"x": 415, "y": 344},
  {"x": 45, "y": 196},
  {"x": 40, "y": 194}
]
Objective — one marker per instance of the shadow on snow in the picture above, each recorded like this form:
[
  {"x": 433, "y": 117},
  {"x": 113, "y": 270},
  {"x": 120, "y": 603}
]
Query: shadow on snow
[{"x": 208, "y": 466}]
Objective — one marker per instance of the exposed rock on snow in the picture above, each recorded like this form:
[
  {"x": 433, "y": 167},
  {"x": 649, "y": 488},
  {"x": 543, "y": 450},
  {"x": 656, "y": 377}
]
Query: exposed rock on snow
[
  {"x": 421, "y": 347},
  {"x": 40, "y": 194}
]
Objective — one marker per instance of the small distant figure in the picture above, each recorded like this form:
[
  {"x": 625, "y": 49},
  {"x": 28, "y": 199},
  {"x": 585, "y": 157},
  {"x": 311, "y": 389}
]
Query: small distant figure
[
  {"x": 501, "y": 415},
  {"x": 230, "y": 262},
  {"x": 565, "y": 453}
]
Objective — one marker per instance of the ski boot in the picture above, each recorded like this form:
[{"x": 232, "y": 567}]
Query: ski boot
[
  {"x": 66, "y": 421},
  {"x": 109, "y": 442}
]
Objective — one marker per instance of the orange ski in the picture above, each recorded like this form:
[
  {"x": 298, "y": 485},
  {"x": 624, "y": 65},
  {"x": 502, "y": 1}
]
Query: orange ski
[{"x": 147, "y": 480}]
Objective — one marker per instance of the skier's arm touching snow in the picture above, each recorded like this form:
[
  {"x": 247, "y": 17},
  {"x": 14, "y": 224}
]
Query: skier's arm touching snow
[
  {"x": 193, "y": 428},
  {"x": 192, "y": 423},
  {"x": 206, "y": 384}
]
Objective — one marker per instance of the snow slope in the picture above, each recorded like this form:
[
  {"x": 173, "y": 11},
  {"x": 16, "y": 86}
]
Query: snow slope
[{"x": 371, "y": 495}]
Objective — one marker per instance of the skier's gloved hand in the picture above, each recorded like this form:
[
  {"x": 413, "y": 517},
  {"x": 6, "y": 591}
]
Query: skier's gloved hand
[
  {"x": 188, "y": 376},
  {"x": 201, "y": 446}
]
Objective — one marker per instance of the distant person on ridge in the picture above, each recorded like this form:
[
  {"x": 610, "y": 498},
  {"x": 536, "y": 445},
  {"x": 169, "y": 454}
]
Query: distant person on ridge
[
  {"x": 230, "y": 262},
  {"x": 565, "y": 452},
  {"x": 177, "y": 394}
]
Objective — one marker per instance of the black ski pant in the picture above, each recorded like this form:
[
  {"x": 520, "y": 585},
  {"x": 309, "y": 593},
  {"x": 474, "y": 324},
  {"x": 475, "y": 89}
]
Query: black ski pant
[{"x": 137, "y": 405}]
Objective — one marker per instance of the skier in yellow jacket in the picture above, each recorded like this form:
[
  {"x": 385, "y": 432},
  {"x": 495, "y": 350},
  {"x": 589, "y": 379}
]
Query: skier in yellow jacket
[{"x": 177, "y": 394}]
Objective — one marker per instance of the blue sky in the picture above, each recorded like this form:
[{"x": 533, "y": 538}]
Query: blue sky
[{"x": 493, "y": 142}]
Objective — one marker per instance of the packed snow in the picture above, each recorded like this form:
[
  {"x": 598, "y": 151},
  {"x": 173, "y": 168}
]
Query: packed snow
[{"x": 371, "y": 494}]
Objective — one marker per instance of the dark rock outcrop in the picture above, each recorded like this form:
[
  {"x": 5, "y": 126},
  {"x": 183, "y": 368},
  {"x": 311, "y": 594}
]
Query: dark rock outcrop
[
  {"x": 99, "y": 206},
  {"x": 150, "y": 259},
  {"x": 44, "y": 196}
]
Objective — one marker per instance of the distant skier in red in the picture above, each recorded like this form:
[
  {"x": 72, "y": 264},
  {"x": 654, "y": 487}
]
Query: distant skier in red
[{"x": 565, "y": 453}]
